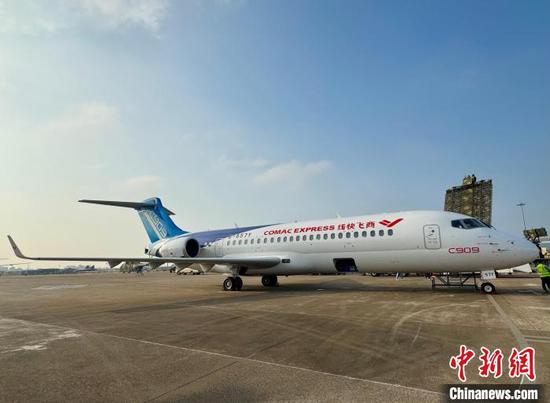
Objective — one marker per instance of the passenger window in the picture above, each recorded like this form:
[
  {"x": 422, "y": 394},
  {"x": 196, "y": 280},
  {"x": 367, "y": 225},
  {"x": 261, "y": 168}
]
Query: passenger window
[
  {"x": 278, "y": 239},
  {"x": 245, "y": 241},
  {"x": 364, "y": 234},
  {"x": 234, "y": 242},
  {"x": 228, "y": 242},
  {"x": 284, "y": 239},
  {"x": 272, "y": 240},
  {"x": 325, "y": 236},
  {"x": 356, "y": 234},
  {"x": 390, "y": 232},
  {"x": 381, "y": 232},
  {"x": 311, "y": 237},
  {"x": 348, "y": 234},
  {"x": 373, "y": 233},
  {"x": 265, "y": 240},
  {"x": 332, "y": 236},
  {"x": 291, "y": 239},
  {"x": 240, "y": 241},
  {"x": 340, "y": 235},
  {"x": 318, "y": 236}
]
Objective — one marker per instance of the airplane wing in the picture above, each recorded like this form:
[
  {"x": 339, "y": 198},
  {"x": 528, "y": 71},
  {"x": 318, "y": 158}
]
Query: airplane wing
[{"x": 255, "y": 261}]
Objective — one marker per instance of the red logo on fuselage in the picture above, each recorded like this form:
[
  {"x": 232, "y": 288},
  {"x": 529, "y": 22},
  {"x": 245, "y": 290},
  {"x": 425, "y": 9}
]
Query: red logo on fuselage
[{"x": 390, "y": 224}]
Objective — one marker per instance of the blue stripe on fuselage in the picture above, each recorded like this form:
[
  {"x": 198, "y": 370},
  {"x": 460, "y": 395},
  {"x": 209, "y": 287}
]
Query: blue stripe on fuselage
[
  {"x": 204, "y": 237},
  {"x": 211, "y": 236}
]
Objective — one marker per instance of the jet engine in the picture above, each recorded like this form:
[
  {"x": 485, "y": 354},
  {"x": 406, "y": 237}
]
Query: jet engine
[{"x": 179, "y": 247}]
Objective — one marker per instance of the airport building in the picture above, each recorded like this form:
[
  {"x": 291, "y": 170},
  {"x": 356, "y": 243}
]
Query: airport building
[{"x": 473, "y": 198}]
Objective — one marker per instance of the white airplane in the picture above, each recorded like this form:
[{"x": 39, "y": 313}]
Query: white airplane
[{"x": 413, "y": 241}]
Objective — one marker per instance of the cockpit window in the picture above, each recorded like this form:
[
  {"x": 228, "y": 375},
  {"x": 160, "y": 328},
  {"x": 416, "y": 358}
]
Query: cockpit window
[{"x": 469, "y": 223}]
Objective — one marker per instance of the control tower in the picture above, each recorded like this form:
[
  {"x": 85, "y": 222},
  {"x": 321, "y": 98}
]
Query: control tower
[{"x": 473, "y": 198}]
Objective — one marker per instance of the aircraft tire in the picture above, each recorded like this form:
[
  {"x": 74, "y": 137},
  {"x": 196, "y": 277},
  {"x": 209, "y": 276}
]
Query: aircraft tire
[
  {"x": 488, "y": 288},
  {"x": 238, "y": 283},
  {"x": 269, "y": 281},
  {"x": 229, "y": 284}
]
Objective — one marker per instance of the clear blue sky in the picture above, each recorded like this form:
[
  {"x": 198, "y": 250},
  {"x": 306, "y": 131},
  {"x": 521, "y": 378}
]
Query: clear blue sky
[{"x": 265, "y": 111}]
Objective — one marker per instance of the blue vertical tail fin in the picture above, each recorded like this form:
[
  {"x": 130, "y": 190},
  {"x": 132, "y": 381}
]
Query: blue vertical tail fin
[{"x": 154, "y": 216}]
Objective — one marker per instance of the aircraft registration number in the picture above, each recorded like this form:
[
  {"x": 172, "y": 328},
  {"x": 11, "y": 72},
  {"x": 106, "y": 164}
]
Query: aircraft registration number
[{"x": 465, "y": 249}]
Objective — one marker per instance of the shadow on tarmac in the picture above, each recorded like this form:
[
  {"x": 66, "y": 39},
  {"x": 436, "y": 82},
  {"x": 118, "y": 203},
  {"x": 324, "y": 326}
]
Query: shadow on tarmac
[{"x": 258, "y": 293}]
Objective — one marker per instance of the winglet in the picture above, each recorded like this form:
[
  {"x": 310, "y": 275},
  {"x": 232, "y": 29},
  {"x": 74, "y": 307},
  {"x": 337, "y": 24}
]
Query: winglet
[{"x": 16, "y": 249}]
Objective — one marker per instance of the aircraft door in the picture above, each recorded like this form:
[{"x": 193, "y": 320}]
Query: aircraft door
[
  {"x": 218, "y": 248},
  {"x": 432, "y": 237}
]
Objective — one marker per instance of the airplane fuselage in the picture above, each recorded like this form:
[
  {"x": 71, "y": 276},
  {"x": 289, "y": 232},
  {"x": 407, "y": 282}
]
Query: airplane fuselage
[{"x": 414, "y": 241}]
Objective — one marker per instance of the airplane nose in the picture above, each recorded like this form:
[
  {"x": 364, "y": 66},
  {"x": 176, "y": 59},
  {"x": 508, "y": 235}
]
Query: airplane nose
[{"x": 529, "y": 250}]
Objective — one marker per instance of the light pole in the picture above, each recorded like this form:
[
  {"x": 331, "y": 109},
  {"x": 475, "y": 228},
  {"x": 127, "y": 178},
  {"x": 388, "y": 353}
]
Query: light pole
[{"x": 521, "y": 205}]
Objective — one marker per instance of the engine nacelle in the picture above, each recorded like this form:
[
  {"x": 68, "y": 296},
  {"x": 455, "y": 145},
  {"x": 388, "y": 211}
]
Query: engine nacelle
[{"x": 179, "y": 247}]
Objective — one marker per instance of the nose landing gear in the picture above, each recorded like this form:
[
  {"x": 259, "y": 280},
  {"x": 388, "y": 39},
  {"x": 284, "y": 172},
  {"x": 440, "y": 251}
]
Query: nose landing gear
[
  {"x": 462, "y": 280},
  {"x": 488, "y": 288},
  {"x": 232, "y": 284}
]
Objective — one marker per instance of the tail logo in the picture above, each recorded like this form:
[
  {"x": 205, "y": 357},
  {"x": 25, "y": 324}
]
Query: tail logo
[
  {"x": 156, "y": 223},
  {"x": 390, "y": 224}
]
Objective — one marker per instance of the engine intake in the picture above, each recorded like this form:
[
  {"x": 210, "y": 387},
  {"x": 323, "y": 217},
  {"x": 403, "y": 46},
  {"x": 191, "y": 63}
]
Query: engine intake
[
  {"x": 179, "y": 247},
  {"x": 192, "y": 247}
]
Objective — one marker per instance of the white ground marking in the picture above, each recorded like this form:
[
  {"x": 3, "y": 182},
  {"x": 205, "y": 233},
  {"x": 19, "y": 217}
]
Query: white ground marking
[
  {"x": 538, "y": 340},
  {"x": 245, "y": 359},
  {"x": 546, "y": 308},
  {"x": 22, "y": 335},
  {"x": 60, "y": 286},
  {"x": 515, "y": 331},
  {"x": 417, "y": 333},
  {"x": 394, "y": 385},
  {"x": 399, "y": 323}
]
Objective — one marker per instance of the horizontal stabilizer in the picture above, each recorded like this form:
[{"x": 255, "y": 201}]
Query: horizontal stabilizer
[
  {"x": 154, "y": 216},
  {"x": 134, "y": 205}
]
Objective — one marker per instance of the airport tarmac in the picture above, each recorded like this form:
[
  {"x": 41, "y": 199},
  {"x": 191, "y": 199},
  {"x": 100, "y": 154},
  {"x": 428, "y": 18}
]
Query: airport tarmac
[{"x": 162, "y": 337}]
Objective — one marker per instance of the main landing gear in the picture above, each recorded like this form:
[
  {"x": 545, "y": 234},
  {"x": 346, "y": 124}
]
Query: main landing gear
[
  {"x": 269, "y": 281},
  {"x": 232, "y": 284},
  {"x": 235, "y": 283}
]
